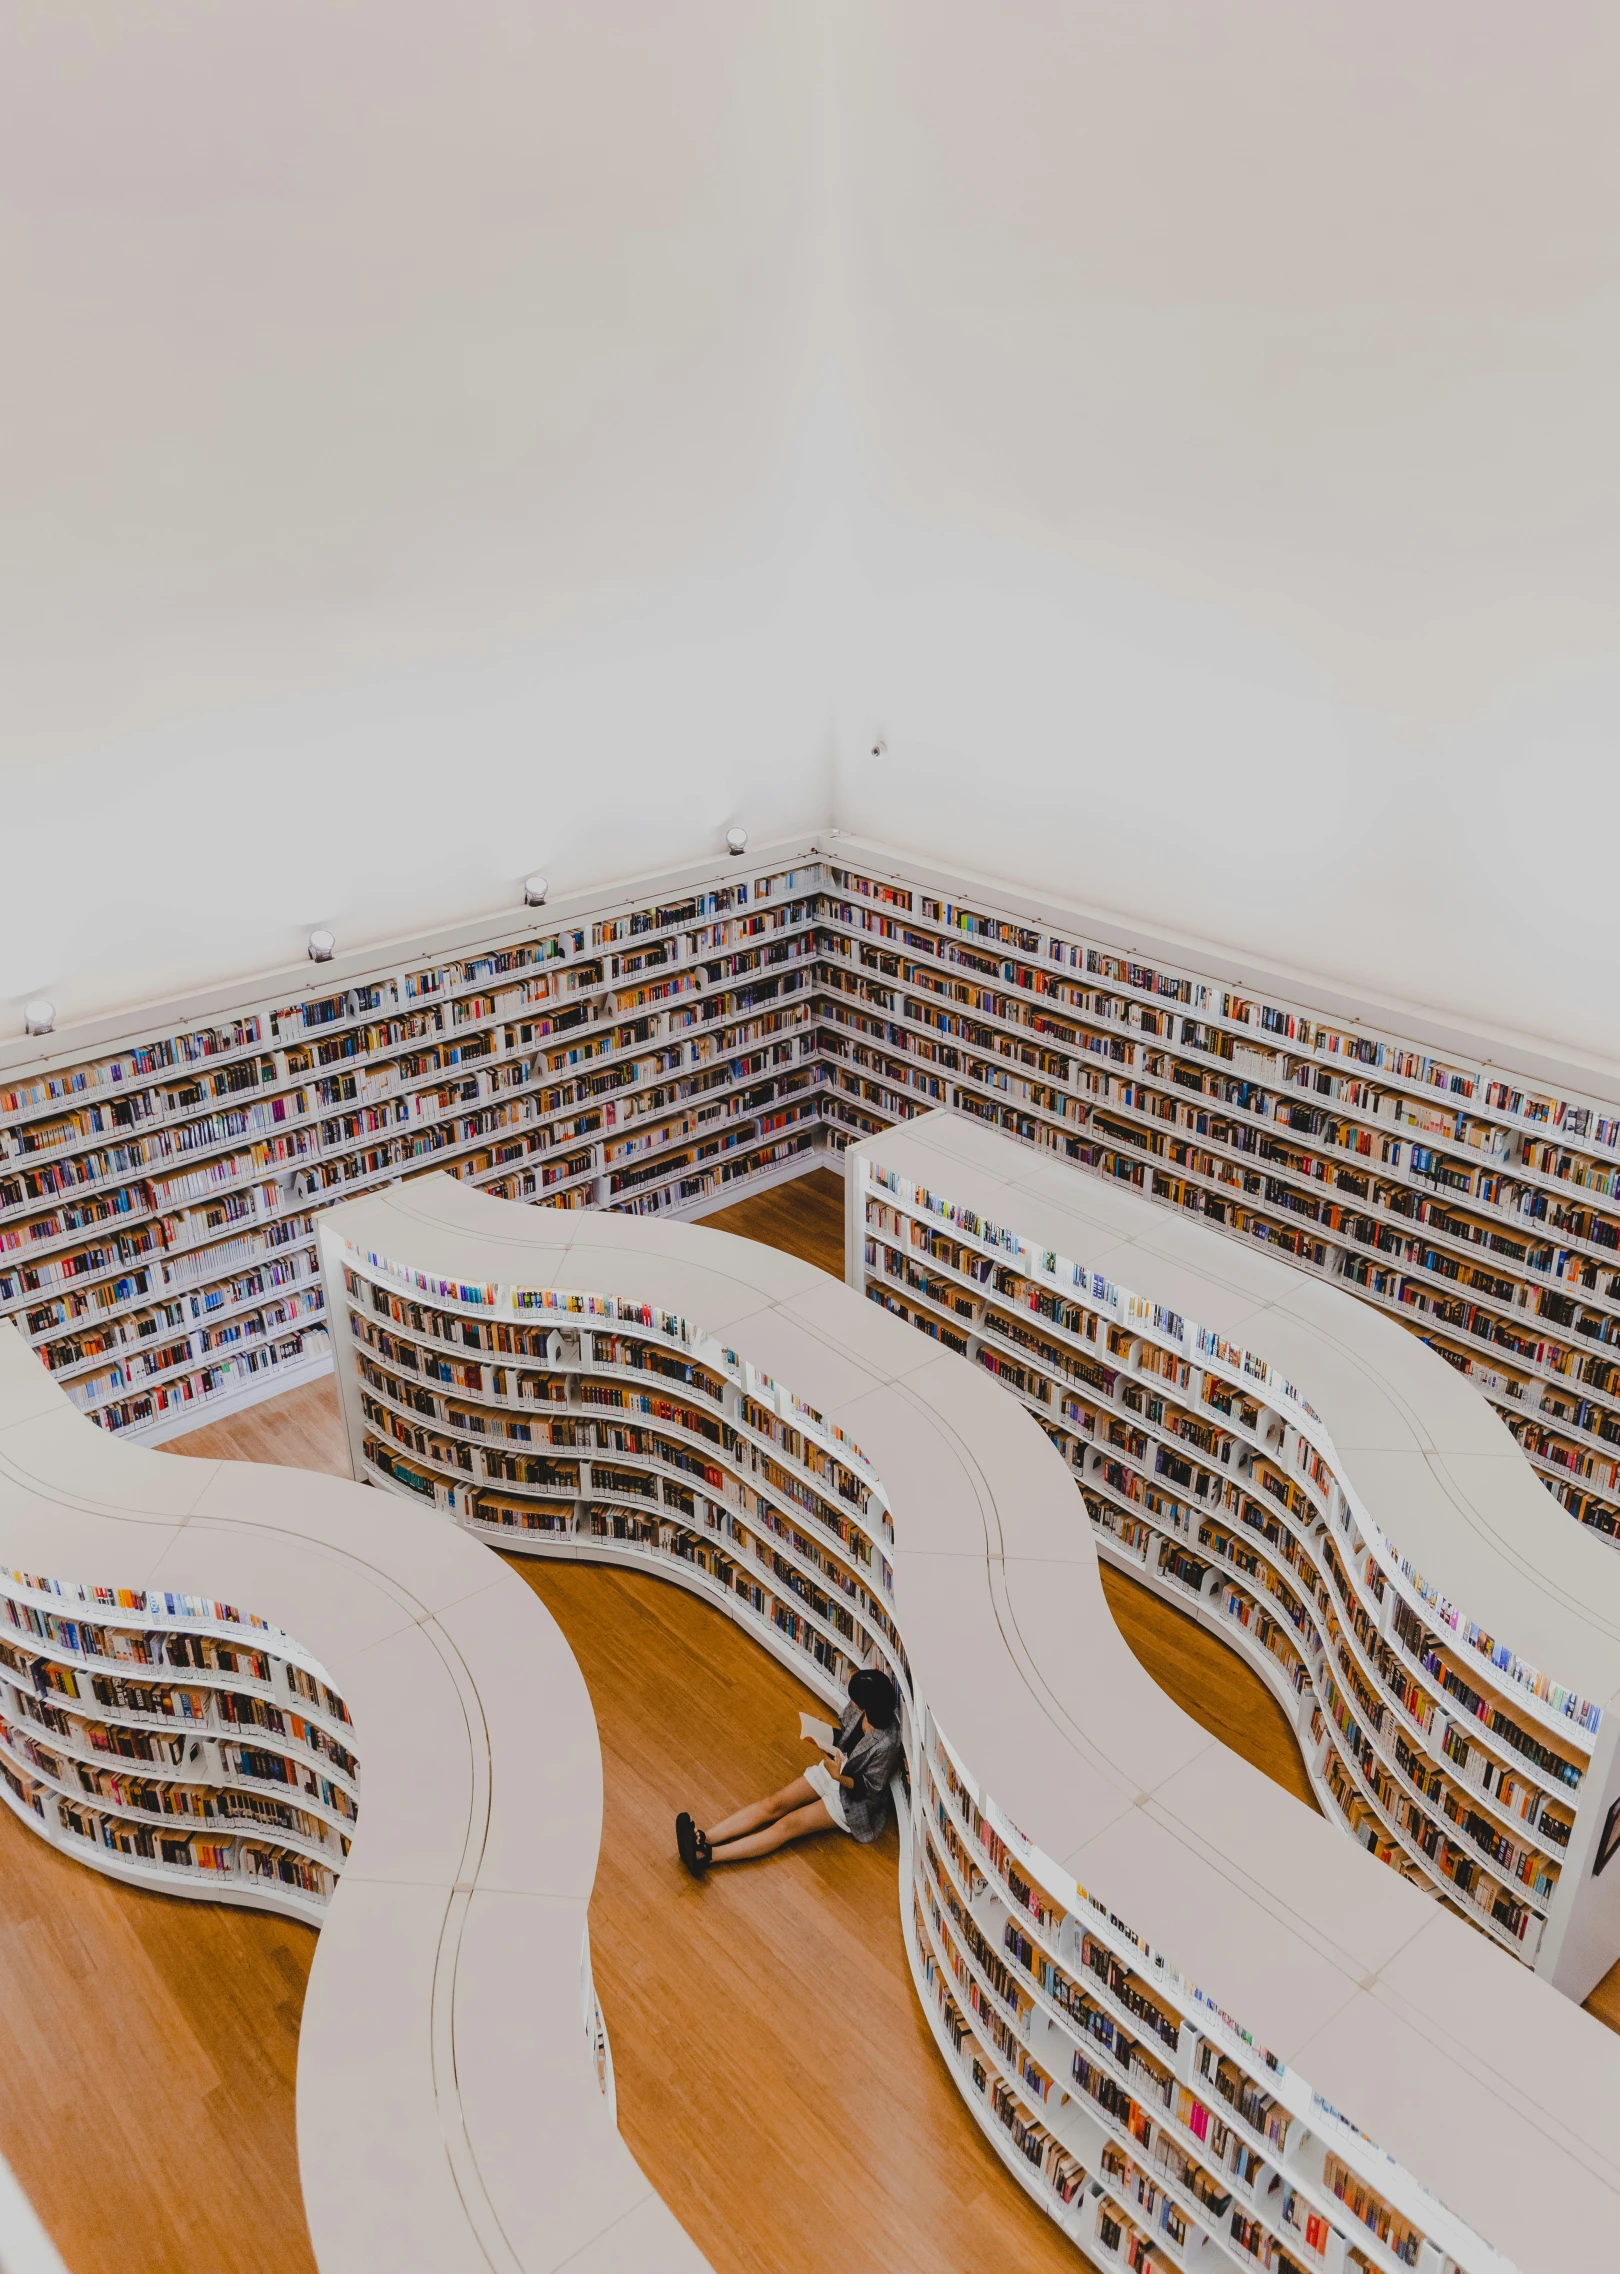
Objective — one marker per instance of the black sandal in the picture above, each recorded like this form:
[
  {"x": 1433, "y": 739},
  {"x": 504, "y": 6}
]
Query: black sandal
[
  {"x": 695, "y": 1849},
  {"x": 696, "y": 1853}
]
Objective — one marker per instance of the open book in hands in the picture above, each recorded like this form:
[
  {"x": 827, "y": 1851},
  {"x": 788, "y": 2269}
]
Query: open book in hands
[{"x": 820, "y": 1733}]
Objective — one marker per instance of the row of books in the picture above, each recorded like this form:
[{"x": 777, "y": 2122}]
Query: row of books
[
  {"x": 1199, "y": 2126},
  {"x": 1290, "y": 1028}
]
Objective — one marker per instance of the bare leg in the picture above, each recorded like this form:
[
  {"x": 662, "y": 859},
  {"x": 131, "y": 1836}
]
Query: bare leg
[
  {"x": 797, "y": 1826},
  {"x": 761, "y": 1812}
]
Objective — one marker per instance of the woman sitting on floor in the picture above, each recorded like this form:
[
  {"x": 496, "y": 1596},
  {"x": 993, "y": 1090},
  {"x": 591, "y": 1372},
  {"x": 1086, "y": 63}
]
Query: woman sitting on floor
[{"x": 848, "y": 1792}]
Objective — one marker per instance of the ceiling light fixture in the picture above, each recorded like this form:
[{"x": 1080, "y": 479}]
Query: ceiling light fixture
[
  {"x": 736, "y": 841},
  {"x": 38, "y": 1016},
  {"x": 535, "y": 889},
  {"x": 321, "y": 945}
]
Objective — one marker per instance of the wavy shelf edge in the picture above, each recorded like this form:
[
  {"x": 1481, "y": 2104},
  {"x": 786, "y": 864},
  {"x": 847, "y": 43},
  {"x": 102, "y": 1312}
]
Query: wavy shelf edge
[
  {"x": 1352, "y": 1978},
  {"x": 952, "y": 1227},
  {"x": 455, "y": 2100}
]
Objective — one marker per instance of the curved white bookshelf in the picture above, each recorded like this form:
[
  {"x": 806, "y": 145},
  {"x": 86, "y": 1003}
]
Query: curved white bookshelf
[
  {"x": 176, "y": 1742},
  {"x": 1456, "y": 1715},
  {"x": 455, "y": 2085},
  {"x": 1092, "y": 1889}
]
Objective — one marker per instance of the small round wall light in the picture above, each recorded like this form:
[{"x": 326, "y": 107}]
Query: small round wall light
[
  {"x": 39, "y": 1017},
  {"x": 535, "y": 889},
  {"x": 322, "y": 943},
  {"x": 736, "y": 841}
]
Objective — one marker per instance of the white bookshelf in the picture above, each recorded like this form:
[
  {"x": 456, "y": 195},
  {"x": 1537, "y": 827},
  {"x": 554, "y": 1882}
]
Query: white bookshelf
[
  {"x": 722, "y": 1026},
  {"x": 1278, "y": 1111},
  {"x": 1156, "y": 1980},
  {"x": 455, "y": 2080},
  {"x": 158, "y": 1185},
  {"x": 1213, "y": 1475},
  {"x": 582, "y": 1428},
  {"x": 174, "y": 1742}
]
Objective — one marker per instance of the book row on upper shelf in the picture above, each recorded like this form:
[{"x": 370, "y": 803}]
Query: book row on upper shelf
[
  {"x": 157, "y": 1201},
  {"x": 596, "y": 1426}
]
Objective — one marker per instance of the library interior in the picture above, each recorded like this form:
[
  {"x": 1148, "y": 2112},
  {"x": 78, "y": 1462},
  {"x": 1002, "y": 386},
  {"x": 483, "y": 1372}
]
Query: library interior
[{"x": 807, "y": 828}]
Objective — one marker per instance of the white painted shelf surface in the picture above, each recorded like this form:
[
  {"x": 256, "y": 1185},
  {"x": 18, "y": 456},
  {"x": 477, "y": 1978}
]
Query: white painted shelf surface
[
  {"x": 1318, "y": 1489},
  {"x": 1201, "y": 2028},
  {"x": 455, "y": 2109}
]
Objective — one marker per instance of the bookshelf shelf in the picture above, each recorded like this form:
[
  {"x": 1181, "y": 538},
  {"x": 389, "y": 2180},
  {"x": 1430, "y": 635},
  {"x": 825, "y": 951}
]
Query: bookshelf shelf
[
  {"x": 1421, "y": 1177},
  {"x": 452, "y": 1988},
  {"x": 653, "y": 1050},
  {"x": 174, "y": 1745},
  {"x": 644, "y": 1056},
  {"x": 727, "y": 1418},
  {"x": 1476, "y": 1776}
]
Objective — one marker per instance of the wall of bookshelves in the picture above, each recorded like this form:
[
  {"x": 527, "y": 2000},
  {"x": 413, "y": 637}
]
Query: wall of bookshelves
[
  {"x": 549, "y": 1386},
  {"x": 157, "y": 1199},
  {"x": 1479, "y": 1205},
  {"x": 1431, "y": 1738},
  {"x": 654, "y": 1050},
  {"x": 1479, "y": 1209},
  {"x": 454, "y": 2075}
]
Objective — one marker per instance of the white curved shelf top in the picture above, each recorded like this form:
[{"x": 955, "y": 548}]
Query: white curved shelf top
[
  {"x": 448, "y": 2116},
  {"x": 1432, "y": 1464},
  {"x": 1492, "y": 2089}
]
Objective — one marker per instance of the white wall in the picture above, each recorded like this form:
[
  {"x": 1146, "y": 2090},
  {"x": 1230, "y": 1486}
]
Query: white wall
[
  {"x": 435, "y": 445},
  {"x": 393, "y": 491},
  {"x": 1238, "y": 392}
]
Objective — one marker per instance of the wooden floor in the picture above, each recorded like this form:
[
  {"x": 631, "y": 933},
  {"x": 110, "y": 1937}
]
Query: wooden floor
[
  {"x": 147, "y": 2055},
  {"x": 777, "y": 2081},
  {"x": 302, "y": 1429},
  {"x": 1209, "y": 1681},
  {"x": 804, "y": 1218},
  {"x": 147, "y": 2045}
]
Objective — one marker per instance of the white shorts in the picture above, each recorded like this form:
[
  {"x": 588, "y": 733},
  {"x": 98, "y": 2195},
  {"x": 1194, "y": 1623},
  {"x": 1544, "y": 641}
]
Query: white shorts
[{"x": 822, "y": 1781}]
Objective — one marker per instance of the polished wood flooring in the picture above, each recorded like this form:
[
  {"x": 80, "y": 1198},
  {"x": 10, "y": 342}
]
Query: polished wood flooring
[
  {"x": 302, "y": 1429},
  {"x": 803, "y": 1218},
  {"x": 147, "y": 2054},
  {"x": 1208, "y": 1681},
  {"x": 776, "y": 2078},
  {"x": 761, "y": 2023}
]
